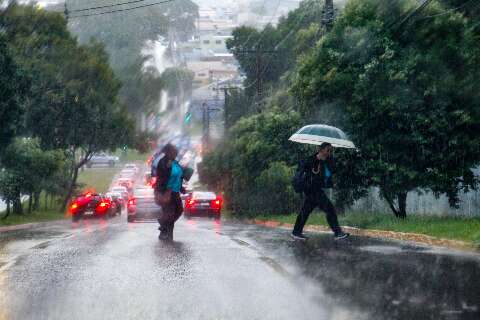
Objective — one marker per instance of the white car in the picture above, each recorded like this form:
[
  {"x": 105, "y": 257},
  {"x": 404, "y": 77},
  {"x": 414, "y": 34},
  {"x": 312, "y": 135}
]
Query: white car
[
  {"x": 131, "y": 166},
  {"x": 102, "y": 158},
  {"x": 127, "y": 173},
  {"x": 126, "y": 182},
  {"x": 122, "y": 190}
]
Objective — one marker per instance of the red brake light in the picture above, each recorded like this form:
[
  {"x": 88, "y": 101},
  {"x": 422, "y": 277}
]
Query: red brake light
[
  {"x": 73, "y": 207},
  {"x": 131, "y": 202},
  {"x": 104, "y": 204},
  {"x": 189, "y": 203},
  {"x": 217, "y": 203}
]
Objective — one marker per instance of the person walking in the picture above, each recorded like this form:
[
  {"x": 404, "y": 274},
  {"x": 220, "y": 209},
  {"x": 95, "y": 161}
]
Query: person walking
[
  {"x": 169, "y": 181},
  {"x": 318, "y": 169}
]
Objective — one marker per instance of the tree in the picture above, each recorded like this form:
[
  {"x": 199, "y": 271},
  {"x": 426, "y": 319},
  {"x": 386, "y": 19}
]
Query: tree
[
  {"x": 254, "y": 143},
  {"x": 27, "y": 169},
  {"x": 406, "y": 95},
  {"x": 73, "y": 101},
  {"x": 12, "y": 88},
  {"x": 125, "y": 36}
]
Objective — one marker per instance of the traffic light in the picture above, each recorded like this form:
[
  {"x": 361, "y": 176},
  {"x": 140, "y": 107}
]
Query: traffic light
[{"x": 188, "y": 117}]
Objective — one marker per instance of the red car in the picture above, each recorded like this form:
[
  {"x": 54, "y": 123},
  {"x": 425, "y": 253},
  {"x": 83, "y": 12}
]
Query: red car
[
  {"x": 203, "y": 203},
  {"x": 92, "y": 205}
]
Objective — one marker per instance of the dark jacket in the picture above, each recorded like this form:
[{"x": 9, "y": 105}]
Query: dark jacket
[
  {"x": 164, "y": 170},
  {"x": 318, "y": 181}
]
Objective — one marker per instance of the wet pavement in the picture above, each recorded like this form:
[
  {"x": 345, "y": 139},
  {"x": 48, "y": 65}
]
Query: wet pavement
[{"x": 108, "y": 269}]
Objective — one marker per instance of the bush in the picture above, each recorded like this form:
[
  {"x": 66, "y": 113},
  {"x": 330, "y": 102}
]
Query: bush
[{"x": 274, "y": 190}]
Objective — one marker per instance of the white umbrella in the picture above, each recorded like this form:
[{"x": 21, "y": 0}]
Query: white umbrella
[{"x": 317, "y": 134}]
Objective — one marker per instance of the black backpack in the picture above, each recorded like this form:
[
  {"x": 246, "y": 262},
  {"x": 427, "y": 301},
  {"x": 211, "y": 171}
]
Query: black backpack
[{"x": 301, "y": 181}]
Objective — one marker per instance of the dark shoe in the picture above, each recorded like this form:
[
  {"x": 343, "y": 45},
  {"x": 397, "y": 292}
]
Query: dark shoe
[
  {"x": 341, "y": 235},
  {"x": 163, "y": 236},
  {"x": 300, "y": 237}
]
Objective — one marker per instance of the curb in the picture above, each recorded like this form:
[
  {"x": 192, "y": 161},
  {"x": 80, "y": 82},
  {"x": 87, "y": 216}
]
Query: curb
[
  {"x": 25, "y": 226},
  {"x": 380, "y": 234}
]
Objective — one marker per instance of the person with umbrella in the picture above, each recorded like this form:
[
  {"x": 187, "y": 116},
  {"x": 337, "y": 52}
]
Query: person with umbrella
[{"x": 317, "y": 171}]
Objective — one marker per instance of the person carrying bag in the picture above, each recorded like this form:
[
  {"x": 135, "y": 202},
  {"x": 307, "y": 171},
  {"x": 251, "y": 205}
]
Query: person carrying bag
[{"x": 167, "y": 191}]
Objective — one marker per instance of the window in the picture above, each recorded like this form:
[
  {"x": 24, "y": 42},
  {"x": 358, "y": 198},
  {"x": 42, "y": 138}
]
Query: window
[
  {"x": 206, "y": 41},
  {"x": 218, "y": 41}
]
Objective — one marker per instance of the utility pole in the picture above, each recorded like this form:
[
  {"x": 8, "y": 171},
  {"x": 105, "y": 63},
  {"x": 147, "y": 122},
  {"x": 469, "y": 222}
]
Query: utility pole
[
  {"x": 328, "y": 15},
  {"x": 259, "y": 71},
  {"x": 206, "y": 125},
  {"x": 65, "y": 10}
]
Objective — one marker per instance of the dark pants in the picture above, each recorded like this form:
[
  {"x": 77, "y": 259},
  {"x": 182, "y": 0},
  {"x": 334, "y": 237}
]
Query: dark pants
[
  {"x": 170, "y": 214},
  {"x": 318, "y": 199}
]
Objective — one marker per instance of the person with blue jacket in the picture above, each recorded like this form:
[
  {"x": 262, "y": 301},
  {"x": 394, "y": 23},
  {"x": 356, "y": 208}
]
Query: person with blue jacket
[
  {"x": 319, "y": 169},
  {"x": 169, "y": 175}
]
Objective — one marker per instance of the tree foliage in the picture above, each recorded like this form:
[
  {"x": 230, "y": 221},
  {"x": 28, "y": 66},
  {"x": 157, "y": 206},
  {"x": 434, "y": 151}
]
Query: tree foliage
[
  {"x": 27, "y": 169},
  {"x": 73, "y": 98},
  {"x": 12, "y": 87},
  {"x": 407, "y": 96}
]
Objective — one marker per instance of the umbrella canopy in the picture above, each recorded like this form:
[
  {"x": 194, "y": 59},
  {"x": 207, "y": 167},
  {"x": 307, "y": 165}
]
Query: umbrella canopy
[{"x": 316, "y": 134}]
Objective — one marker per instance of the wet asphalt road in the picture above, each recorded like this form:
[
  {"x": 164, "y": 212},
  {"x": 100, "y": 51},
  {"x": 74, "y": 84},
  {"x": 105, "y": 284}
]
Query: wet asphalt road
[{"x": 215, "y": 270}]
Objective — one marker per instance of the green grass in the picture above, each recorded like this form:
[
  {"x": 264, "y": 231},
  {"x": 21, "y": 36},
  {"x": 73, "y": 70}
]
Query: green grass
[
  {"x": 39, "y": 216},
  {"x": 465, "y": 229},
  {"x": 97, "y": 178}
]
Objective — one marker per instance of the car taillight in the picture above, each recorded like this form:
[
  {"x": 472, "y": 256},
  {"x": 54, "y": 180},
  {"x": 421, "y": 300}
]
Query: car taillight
[
  {"x": 153, "y": 181},
  {"x": 217, "y": 203},
  {"x": 189, "y": 203},
  {"x": 131, "y": 202},
  {"x": 73, "y": 207},
  {"x": 103, "y": 204}
]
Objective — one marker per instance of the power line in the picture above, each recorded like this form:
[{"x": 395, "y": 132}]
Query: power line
[
  {"x": 106, "y": 6},
  {"x": 120, "y": 10},
  {"x": 413, "y": 13},
  {"x": 450, "y": 10}
]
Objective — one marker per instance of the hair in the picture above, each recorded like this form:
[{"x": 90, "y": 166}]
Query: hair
[
  {"x": 324, "y": 145},
  {"x": 168, "y": 148}
]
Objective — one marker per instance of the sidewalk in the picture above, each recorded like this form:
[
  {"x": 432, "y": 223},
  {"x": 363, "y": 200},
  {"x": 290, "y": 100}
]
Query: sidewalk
[{"x": 382, "y": 234}]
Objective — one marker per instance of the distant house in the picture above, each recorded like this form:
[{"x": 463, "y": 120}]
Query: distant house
[{"x": 209, "y": 71}]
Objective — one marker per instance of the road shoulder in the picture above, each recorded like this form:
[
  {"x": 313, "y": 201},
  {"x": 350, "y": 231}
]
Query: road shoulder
[{"x": 381, "y": 234}]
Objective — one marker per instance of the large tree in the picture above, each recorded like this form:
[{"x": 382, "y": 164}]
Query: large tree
[
  {"x": 406, "y": 91},
  {"x": 73, "y": 101},
  {"x": 12, "y": 89}
]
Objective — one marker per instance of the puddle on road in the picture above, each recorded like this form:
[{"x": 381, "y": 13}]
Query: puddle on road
[
  {"x": 275, "y": 266},
  {"x": 382, "y": 249},
  {"x": 241, "y": 242}
]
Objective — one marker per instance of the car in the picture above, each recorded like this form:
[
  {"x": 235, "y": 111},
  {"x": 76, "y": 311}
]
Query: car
[
  {"x": 125, "y": 182},
  {"x": 103, "y": 158},
  {"x": 122, "y": 190},
  {"x": 116, "y": 204},
  {"x": 127, "y": 173},
  {"x": 203, "y": 203},
  {"x": 117, "y": 196},
  {"x": 142, "y": 205},
  {"x": 91, "y": 205},
  {"x": 131, "y": 166}
]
